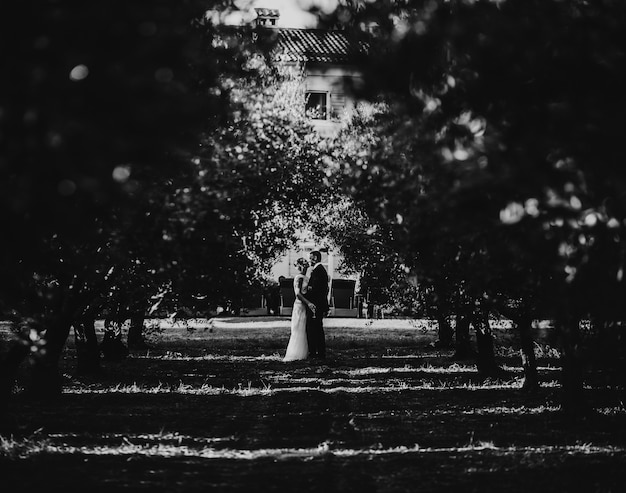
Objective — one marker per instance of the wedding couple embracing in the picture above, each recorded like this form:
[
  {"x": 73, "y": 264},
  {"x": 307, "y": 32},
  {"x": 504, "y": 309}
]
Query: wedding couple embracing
[{"x": 310, "y": 307}]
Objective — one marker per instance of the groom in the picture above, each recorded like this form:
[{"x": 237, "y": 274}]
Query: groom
[{"x": 317, "y": 293}]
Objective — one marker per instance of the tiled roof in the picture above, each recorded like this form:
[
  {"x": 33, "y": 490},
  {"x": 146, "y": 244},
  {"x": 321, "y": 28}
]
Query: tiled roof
[{"x": 316, "y": 45}]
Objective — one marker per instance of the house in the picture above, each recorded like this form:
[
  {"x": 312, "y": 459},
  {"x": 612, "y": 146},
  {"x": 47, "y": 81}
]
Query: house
[{"x": 328, "y": 60}]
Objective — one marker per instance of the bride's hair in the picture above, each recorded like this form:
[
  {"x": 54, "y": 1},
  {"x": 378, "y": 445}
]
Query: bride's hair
[{"x": 301, "y": 262}]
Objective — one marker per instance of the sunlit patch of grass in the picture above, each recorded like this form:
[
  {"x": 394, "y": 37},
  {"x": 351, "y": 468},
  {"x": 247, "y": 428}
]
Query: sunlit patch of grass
[
  {"x": 163, "y": 436},
  {"x": 423, "y": 324},
  {"x": 12, "y": 448},
  {"x": 487, "y": 384},
  {"x": 158, "y": 449},
  {"x": 370, "y": 379},
  {"x": 611, "y": 411},
  {"x": 548, "y": 368},
  {"x": 390, "y": 355},
  {"x": 26, "y": 448},
  {"x": 177, "y": 356},
  {"x": 456, "y": 410},
  {"x": 405, "y": 386},
  {"x": 541, "y": 351},
  {"x": 479, "y": 445},
  {"x": 374, "y": 385},
  {"x": 60, "y": 442},
  {"x": 550, "y": 384},
  {"x": 325, "y": 382},
  {"x": 243, "y": 390},
  {"x": 518, "y": 410},
  {"x": 248, "y": 390},
  {"x": 452, "y": 368},
  {"x": 371, "y": 371}
]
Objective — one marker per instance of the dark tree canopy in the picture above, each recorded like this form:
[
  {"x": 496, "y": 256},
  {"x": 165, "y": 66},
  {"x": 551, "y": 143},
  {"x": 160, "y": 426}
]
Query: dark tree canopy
[
  {"x": 149, "y": 163},
  {"x": 92, "y": 90},
  {"x": 119, "y": 136},
  {"x": 498, "y": 166},
  {"x": 505, "y": 123}
]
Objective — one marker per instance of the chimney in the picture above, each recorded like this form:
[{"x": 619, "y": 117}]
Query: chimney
[{"x": 266, "y": 17}]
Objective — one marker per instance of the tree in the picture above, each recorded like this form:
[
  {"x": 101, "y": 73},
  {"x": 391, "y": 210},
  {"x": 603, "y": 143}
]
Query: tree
[
  {"x": 97, "y": 97},
  {"x": 510, "y": 148},
  {"x": 264, "y": 165},
  {"x": 386, "y": 158},
  {"x": 365, "y": 242},
  {"x": 155, "y": 200}
]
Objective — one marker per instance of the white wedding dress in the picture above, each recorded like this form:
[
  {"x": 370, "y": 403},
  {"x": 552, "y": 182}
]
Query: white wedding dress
[{"x": 298, "y": 347}]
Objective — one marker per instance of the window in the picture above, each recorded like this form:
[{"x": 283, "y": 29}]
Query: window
[{"x": 317, "y": 105}]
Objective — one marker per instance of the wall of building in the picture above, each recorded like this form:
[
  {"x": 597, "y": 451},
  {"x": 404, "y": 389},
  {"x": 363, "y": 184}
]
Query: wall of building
[
  {"x": 338, "y": 81},
  {"x": 331, "y": 260}
]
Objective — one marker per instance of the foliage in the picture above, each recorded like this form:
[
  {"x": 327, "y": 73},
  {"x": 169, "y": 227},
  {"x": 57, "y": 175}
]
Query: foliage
[
  {"x": 152, "y": 162},
  {"x": 98, "y": 112},
  {"x": 122, "y": 201},
  {"x": 366, "y": 243},
  {"x": 500, "y": 153},
  {"x": 498, "y": 169},
  {"x": 122, "y": 180},
  {"x": 253, "y": 180}
]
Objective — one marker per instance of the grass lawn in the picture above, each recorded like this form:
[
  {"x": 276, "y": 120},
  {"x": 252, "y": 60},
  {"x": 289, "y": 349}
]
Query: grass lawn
[{"x": 210, "y": 406}]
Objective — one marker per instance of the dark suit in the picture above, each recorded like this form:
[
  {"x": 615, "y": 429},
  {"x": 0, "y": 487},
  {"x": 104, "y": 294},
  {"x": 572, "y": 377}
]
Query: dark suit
[{"x": 317, "y": 293}]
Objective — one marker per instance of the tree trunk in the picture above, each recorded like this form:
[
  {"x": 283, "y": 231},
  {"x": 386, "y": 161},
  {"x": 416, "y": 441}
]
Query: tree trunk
[
  {"x": 135, "y": 331},
  {"x": 463, "y": 348},
  {"x": 8, "y": 371},
  {"x": 527, "y": 353},
  {"x": 112, "y": 347},
  {"x": 87, "y": 349},
  {"x": 445, "y": 332},
  {"x": 573, "y": 400},
  {"x": 485, "y": 358},
  {"x": 609, "y": 355},
  {"x": 46, "y": 377}
]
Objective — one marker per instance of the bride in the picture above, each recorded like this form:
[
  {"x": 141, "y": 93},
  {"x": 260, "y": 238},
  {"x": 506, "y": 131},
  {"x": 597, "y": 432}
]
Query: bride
[{"x": 298, "y": 347}]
